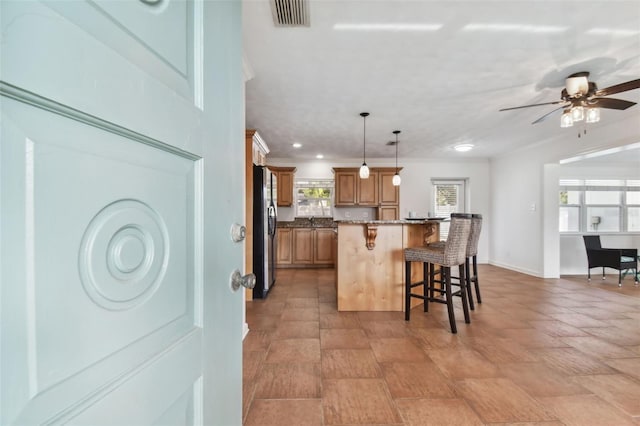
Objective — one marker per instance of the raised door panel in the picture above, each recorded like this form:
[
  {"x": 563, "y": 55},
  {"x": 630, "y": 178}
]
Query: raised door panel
[
  {"x": 389, "y": 194},
  {"x": 112, "y": 223},
  {"x": 368, "y": 190},
  {"x": 302, "y": 246},
  {"x": 324, "y": 242},
  {"x": 283, "y": 255},
  {"x": 285, "y": 189},
  {"x": 346, "y": 192},
  {"x": 388, "y": 213}
]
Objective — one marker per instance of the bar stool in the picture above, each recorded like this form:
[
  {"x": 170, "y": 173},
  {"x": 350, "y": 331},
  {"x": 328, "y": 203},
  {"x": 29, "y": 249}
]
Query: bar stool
[
  {"x": 471, "y": 259},
  {"x": 472, "y": 252},
  {"x": 452, "y": 253}
]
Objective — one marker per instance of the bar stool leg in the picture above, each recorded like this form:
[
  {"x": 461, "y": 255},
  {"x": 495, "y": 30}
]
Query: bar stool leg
[
  {"x": 407, "y": 290},
  {"x": 425, "y": 285},
  {"x": 475, "y": 279},
  {"x": 445, "y": 273},
  {"x": 467, "y": 270},
  {"x": 463, "y": 294}
]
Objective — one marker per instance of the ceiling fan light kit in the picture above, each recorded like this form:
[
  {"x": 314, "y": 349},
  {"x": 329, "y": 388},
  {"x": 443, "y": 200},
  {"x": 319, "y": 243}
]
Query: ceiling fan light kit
[{"x": 582, "y": 100}]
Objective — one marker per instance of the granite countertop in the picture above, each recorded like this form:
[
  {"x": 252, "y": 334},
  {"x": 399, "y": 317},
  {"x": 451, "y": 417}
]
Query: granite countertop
[
  {"x": 390, "y": 222},
  {"x": 304, "y": 222}
]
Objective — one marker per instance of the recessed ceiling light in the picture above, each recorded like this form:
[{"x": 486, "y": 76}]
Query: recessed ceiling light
[
  {"x": 297, "y": 145},
  {"x": 463, "y": 147},
  {"x": 319, "y": 156},
  {"x": 386, "y": 27},
  {"x": 514, "y": 28}
]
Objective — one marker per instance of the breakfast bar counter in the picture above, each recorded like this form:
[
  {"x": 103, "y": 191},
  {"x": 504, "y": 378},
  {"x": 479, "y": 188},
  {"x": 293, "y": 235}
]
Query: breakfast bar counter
[{"x": 370, "y": 261}]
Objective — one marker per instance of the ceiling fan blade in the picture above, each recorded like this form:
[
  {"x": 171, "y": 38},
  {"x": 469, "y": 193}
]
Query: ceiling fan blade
[
  {"x": 622, "y": 87},
  {"x": 544, "y": 117},
  {"x": 610, "y": 103},
  {"x": 532, "y": 105}
]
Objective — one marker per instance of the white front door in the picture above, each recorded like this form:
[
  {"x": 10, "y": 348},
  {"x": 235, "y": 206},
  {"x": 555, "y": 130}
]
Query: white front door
[{"x": 120, "y": 176}]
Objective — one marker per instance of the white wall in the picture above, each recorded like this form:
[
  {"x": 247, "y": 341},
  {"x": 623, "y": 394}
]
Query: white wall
[
  {"x": 520, "y": 236},
  {"x": 415, "y": 190}
]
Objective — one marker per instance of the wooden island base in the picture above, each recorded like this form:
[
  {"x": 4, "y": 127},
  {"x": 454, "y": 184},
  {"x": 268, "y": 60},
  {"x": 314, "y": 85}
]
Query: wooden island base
[{"x": 370, "y": 262}]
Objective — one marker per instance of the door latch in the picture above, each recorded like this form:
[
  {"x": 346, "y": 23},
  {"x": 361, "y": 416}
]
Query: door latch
[{"x": 238, "y": 232}]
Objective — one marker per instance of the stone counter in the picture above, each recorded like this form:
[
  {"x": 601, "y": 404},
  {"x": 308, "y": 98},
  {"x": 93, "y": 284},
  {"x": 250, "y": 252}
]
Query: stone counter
[
  {"x": 370, "y": 261},
  {"x": 303, "y": 222}
]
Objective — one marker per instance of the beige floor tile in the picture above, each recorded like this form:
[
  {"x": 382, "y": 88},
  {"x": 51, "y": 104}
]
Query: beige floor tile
[
  {"x": 397, "y": 349},
  {"x": 288, "y": 381},
  {"x": 416, "y": 380},
  {"x": 343, "y": 338},
  {"x": 630, "y": 366},
  {"x": 500, "y": 400},
  {"x": 557, "y": 328},
  {"x": 297, "y": 329},
  {"x": 285, "y": 412},
  {"x": 294, "y": 350},
  {"x": 579, "y": 320},
  {"x": 251, "y": 363},
  {"x": 301, "y": 302},
  {"x": 537, "y": 379},
  {"x": 442, "y": 412},
  {"x": 349, "y": 363},
  {"x": 382, "y": 329},
  {"x": 340, "y": 320},
  {"x": 585, "y": 410},
  {"x": 617, "y": 336},
  {"x": 300, "y": 314},
  {"x": 501, "y": 350},
  {"x": 462, "y": 363},
  {"x": 532, "y": 338},
  {"x": 572, "y": 362},
  {"x": 592, "y": 346},
  {"x": 616, "y": 389},
  {"x": 357, "y": 401}
]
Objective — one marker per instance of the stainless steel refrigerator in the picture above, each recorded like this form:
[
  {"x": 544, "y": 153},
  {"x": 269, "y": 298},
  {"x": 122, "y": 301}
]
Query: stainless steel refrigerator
[{"x": 264, "y": 230}]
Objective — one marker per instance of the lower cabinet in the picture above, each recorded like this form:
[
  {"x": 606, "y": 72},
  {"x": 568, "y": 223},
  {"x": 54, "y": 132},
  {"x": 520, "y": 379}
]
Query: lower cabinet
[{"x": 306, "y": 247}]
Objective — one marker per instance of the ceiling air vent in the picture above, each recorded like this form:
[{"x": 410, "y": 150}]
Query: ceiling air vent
[{"x": 290, "y": 13}]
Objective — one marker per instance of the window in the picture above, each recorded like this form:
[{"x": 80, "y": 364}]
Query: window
[
  {"x": 599, "y": 205},
  {"x": 313, "y": 197},
  {"x": 448, "y": 197}
]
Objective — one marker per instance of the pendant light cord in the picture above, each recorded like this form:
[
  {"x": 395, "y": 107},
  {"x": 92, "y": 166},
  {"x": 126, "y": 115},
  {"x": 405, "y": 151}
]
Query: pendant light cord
[{"x": 364, "y": 139}]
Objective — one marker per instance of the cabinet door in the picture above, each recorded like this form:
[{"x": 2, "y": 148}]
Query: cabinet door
[
  {"x": 389, "y": 194},
  {"x": 302, "y": 246},
  {"x": 388, "y": 213},
  {"x": 368, "y": 190},
  {"x": 323, "y": 253},
  {"x": 283, "y": 251},
  {"x": 285, "y": 189},
  {"x": 345, "y": 183}
]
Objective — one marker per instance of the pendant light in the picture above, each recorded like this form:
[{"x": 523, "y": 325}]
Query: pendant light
[
  {"x": 364, "y": 170},
  {"x": 396, "y": 178}
]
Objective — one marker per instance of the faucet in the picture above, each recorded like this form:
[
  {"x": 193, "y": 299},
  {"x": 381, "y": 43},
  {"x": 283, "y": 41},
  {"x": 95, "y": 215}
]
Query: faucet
[{"x": 311, "y": 219}]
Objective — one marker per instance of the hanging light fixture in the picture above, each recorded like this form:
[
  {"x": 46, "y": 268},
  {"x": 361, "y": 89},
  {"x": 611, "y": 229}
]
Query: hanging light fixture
[
  {"x": 396, "y": 178},
  {"x": 577, "y": 113},
  {"x": 593, "y": 115},
  {"x": 566, "y": 120},
  {"x": 364, "y": 170}
]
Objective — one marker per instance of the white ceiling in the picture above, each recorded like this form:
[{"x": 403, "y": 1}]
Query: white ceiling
[{"x": 440, "y": 88}]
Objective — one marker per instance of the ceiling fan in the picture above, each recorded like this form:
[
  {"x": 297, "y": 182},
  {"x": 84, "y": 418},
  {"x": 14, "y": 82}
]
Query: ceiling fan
[{"x": 581, "y": 100}]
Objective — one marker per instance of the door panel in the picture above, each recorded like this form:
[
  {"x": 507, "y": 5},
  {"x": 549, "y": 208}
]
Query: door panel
[{"x": 115, "y": 252}]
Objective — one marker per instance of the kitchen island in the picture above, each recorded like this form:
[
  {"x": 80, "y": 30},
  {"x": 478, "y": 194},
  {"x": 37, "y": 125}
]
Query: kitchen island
[{"x": 370, "y": 261}]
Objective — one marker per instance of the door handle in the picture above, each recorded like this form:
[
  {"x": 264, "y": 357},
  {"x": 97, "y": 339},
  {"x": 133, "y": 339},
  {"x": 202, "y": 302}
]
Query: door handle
[{"x": 238, "y": 280}]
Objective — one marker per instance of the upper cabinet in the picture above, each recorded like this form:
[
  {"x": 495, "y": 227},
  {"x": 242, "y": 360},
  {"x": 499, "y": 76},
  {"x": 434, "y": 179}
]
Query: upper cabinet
[
  {"x": 284, "y": 176},
  {"x": 376, "y": 191}
]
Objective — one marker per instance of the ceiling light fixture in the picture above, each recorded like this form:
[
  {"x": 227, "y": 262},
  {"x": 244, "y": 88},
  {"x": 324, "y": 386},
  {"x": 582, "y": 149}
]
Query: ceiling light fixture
[
  {"x": 463, "y": 147},
  {"x": 514, "y": 28},
  {"x": 364, "y": 170},
  {"x": 593, "y": 115},
  {"x": 396, "y": 178},
  {"x": 297, "y": 145},
  {"x": 319, "y": 156},
  {"x": 566, "y": 120}
]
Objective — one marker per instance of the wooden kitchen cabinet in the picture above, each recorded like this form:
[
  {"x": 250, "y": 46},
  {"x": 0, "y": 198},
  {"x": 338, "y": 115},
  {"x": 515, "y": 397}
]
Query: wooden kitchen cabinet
[
  {"x": 284, "y": 248},
  {"x": 323, "y": 246},
  {"x": 306, "y": 247},
  {"x": 368, "y": 190},
  {"x": 284, "y": 176},
  {"x": 376, "y": 191},
  {"x": 303, "y": 246},
  {"x": 346, "y": 187}
]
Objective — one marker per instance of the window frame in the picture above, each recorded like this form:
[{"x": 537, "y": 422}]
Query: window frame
[
  {"x": 582, "y": 186},
  {"x": 325, "y": 183}
]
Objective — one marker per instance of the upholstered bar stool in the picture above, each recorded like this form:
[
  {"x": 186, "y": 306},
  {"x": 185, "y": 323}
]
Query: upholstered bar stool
[
  {"x": 452, "y": 253},
  {"x": 472, "y": 252}
]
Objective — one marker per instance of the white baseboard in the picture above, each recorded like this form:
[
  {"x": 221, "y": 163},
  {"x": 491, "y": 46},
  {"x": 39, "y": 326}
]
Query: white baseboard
[
  {"x": 517, "y": 269},
  {"x": 245, "y": 330}
]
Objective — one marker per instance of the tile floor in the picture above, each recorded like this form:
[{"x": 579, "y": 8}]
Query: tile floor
[{"x": 537, "y": 351}]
